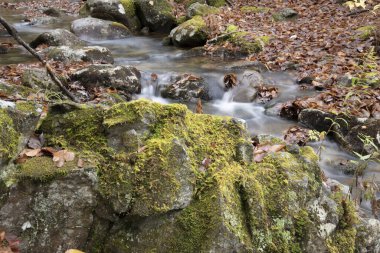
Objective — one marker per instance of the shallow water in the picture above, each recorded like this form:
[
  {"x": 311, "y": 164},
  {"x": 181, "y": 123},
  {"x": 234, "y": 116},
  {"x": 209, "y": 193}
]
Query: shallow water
[{"x": 150, "y": 56}]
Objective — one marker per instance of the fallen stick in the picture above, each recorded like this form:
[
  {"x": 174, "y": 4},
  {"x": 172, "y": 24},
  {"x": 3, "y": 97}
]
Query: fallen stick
[
  {"x": 217, "y": 38},
  {"x": 12, "y": 31}
]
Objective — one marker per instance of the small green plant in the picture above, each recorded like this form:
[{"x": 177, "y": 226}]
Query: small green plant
[
  {"x": 370, "y": 75},
  {"x": 315, "y": 135}
]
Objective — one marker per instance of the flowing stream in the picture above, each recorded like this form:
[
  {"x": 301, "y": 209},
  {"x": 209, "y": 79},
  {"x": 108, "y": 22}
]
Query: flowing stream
[{"x": 150, "y": 56}]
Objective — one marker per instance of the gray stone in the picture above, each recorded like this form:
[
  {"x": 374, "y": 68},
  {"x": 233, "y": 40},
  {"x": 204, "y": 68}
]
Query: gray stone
[
  {"x": 186, "y": 88},
  {"x": 97, "y": 29},
  {"x": 93, "y": 54},
  {"x": 53, "y": 216},
  {"x": 114, "y": 10},
  {"x": 126, "y": 78},
  {"x": 57, "y": 37}
]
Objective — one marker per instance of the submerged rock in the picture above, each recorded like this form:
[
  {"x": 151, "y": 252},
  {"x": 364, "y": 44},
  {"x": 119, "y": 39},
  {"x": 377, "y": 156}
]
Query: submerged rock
[
  {"x": 186, "y": 88},
  {"x": 97, "y": 29},
  {"x": 44, "y": 21},
  {"x": 87, "y": 54},
  {"x": 57, "y": 37},
  {"x": 122, "y": 11},
  {"x": 156, "y": 15},
  {"x": 126, "y": 78},
  {"x": 191, "y": 33},
  {"x": 156, "y": 170}
]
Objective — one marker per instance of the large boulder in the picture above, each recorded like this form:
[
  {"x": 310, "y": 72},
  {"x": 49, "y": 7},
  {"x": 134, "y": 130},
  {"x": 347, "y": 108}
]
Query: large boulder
[
  {"x": 151, "y": 170},
  {"x": 186, "y": 88},
  {"x": 122, "y": 11},
  {"x": 156, "y": 15},
  {"x": 191, "y": 33},
  {"x": 97, "y": 29},
  {"x": 126, "y": 78},
  {"x": 93, "y": 54},
  {"x": 57, "y": 37}
]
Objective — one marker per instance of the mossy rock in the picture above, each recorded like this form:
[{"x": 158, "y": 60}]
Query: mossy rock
[
  {"x": 122, "y": 11},
  {"x": 162, "y": 169},
  {"x": 43, "y": 169},
  {"x": 246, "y": 41},
  {"x": 254, "y": 9},
  {"x": 197, "y": 9},
  {"x": 157, "y": 15},
  {"x": 9, "y": 137},
  {"x": 191, "y": 33},
  {"x": 366, "y": 32}
]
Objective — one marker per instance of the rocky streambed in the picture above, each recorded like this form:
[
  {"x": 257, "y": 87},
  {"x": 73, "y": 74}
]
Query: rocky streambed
[{"x": 153, "y": 176}]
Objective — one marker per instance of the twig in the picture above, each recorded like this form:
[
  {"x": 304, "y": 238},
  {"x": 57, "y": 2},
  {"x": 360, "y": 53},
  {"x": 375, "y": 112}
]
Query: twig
[
  {"x": 214, "y": 40},
  {"x": 12, "y": 31},
  {"x": 357, "y": 12}
]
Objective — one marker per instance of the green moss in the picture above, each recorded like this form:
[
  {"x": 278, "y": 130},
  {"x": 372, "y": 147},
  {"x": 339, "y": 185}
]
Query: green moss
[
  {"x": 254, "y": 9},
  {"x": 79, "y": 129},
  {"x": 129, "y": 7},
  {"x": 9, "y": 137},
  {"x": 308, "y": 154},
  {"x": 42, "y": 169},
  {"x": 217, "y": 3},
  {"x": 343, "y": 238},
  {"x": 119, "y": 25},
  {"x": 245, "y": 40},
  {"x": 365, "y": 32},
  {"x": 196, "y": 224},
  {"x": 26, "y": 107},
  {"x": 181, "y": 19}
]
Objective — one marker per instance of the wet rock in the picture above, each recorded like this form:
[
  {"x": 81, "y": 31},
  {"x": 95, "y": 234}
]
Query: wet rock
[
  {"x": 57, "y": 37},
  {"x": 368, "y": 238},
  {"x": 156, "y": 14},
  {"x": 125, "y": 78},
  {"x": 347, "y": 130},
  {"x": 186, "y": 88},
  {"x": 315, "y": 119},
  {"x": 286, "y": 13},
  {"x": 252, "y": 78},
  {"x": 191, "y": 33},
  {"x": 198, "y": 9},
  {"x": 122, "y": 11},
  {"x": 244, "y": 94},
  {"x": 44, "y": 21},
  {"x": 97, "y": 29},
  {"x": 53, "y": 216},
  {"x": 87, "y": 54}
]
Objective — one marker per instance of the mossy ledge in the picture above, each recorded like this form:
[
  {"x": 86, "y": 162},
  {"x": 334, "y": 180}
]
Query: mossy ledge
[{"x": 165, "y": 170}]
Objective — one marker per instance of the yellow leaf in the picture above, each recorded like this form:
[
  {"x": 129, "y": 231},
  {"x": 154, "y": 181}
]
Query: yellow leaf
[{"x": 74, "y": 251}]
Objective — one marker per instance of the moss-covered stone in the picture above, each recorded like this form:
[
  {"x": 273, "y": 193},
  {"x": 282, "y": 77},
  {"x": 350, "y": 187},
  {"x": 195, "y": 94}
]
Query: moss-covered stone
[
  {"x": 191, "y": 33},
  {"x": 245, "y": 40},
  {"x": 9, "y": 137},
  {"x": 77, "y": 128},
  {"x": 157, "y": 15},
  {"x": 365, "y": 32},
  {"x": 197, "y": 9},
  {"x": 254, "y": 9},
  {"x": 42, "y": 169},
  {"x": 169, "y": 171}
]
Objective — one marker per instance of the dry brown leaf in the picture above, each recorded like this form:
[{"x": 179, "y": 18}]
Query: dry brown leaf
[{"x": 33, "y": 152}]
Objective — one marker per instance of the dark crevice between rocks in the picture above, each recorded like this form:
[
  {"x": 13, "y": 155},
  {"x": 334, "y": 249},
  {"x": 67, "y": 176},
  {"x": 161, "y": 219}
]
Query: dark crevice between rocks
[{"x": 245, "y": 210}]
